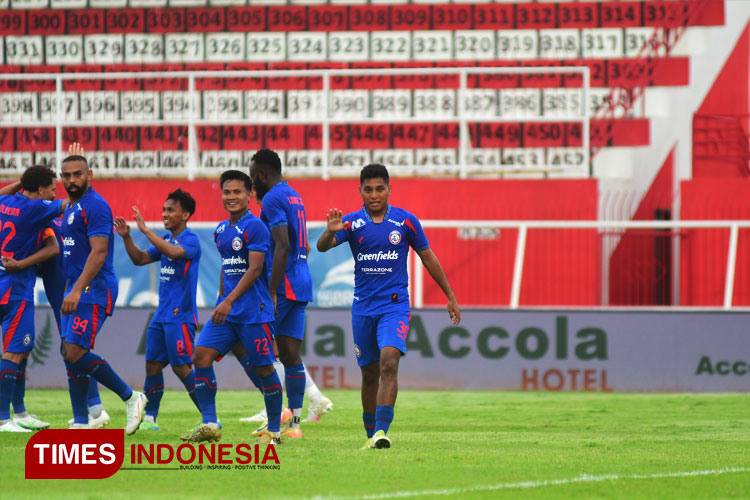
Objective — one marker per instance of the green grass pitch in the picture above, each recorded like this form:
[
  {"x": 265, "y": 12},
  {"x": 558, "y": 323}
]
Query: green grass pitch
[{"x": 446, "y": 444}]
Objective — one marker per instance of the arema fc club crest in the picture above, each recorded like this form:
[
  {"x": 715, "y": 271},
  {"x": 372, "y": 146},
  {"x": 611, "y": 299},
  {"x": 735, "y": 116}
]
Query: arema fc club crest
[
  {"x": 27, "y": 339},
  {"x": 237, "y": 244},
  {"x": 71, "y": 217},
  {"x": 395, "y": 237},
  {"x": 357, "y": 351}
]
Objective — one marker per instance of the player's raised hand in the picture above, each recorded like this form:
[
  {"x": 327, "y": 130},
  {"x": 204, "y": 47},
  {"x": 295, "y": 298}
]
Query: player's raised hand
[
  {"x": 75, "y": 149},
  {"x": 122, "y": 227},
  {"x": 333, "y": 220},
  {"x": 454, "y": 311},
  {"x": 138, "y": 218}
]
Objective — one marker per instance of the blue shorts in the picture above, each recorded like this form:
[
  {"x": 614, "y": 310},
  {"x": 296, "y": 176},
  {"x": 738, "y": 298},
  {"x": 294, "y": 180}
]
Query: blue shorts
[
  {"x": 170, "y": 343},
  {"x": 81, "y": 327},
  {"x": 372, "y": 333},
  {"x": 256, "y": 337},
  {"x": 18, "y": 326},
  {"x": 291, "y": 318}
]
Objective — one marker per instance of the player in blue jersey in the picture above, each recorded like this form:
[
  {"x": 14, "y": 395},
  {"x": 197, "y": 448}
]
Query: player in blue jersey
[
  {"x": 243, "y": 313},
  {"x": 379, "y": 236},
  {"x": 23, "y": 219},
  {"x": 290, "y": 283},
  {"x": 170, "y": 335},
  {"x": 53, "y": 279},
  {"x": 88, "y": 247}
]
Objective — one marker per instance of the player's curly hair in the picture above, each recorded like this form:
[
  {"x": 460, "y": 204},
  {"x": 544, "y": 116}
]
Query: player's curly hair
[
  {"x": 267, "y": 158},
  {"x": 37, "y": 176},
  {"x": 231, "y": 175},
  {"x": 373, "y": 171},
  {"x": 186, "y": 201}
]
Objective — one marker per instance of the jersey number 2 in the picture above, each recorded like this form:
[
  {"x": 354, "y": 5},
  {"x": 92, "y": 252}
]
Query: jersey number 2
[{"x": 12, "y": 227}]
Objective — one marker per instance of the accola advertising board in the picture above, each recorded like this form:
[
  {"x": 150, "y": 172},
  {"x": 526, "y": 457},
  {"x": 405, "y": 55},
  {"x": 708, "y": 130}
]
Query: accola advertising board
[{"x": 515, "y": 350}]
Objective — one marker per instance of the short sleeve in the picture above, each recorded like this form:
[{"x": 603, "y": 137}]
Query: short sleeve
[
  {"x": 100, "y": 222},
  {"x": 44, "y": 210},
  {"x": 257, "y": 237},
  {"x": 191, "y": 245},
  {"x": 153, "y": 253},
  {"x": 48, "y": 233},
  {"x": 343, "y": 235},
  {"x": 273, "y": 209},
  {"x": 415, "y": 234}
]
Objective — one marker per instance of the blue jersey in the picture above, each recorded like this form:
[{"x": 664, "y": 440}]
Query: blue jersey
[
  {"x": 381, "y": 283},
  {"x": 90, "y": 217},
  {"x": 52, "y": 270},
  {"x": 22, "y": 225},
  {"x": 282, "y": 206},
  {"x": 235, "y": 242},
  {"x": 178, "y": 280}
]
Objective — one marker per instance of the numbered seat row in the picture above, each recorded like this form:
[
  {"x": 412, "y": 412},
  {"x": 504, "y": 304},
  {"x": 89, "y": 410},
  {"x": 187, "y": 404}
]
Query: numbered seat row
[
  {"x": 124, "y": 108},
  {"x": 430, "y": 135},
  {"x": 335, "y": 46},
  {"x": 28, "y": 17},
  {"x": 305, "y": 162}
]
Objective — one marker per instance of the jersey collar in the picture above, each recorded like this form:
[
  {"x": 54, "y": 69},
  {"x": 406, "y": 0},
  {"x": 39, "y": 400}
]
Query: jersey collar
[
  {"x": 369, "y": 219},
  {"x": 178, "y": 235},
  {"x": 248, "y": 213}
]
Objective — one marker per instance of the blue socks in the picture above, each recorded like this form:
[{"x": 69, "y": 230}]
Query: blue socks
[
  {"x": 78, "y": 387},
  {"x": 205, "y": 390},
  {"x": 93, "y": 395},
  {"x": 383, "y": 418},
  {"x": 98, "y": 368},
  {"x": 8, "y": 375},
  {"x": 295, "y": 385},
  {"x": 153, "y": 388},
  {"x": 20, "y": 392},
  {"x": 189, "y": 383},
  {"x": 252, "y": 374},
  {"x": 369, "y": 421},
  {"x": 271, "y": 387}
]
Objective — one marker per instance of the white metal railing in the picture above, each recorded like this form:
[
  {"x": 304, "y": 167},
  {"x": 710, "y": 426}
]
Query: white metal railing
[
  {"x": 417, "y": 270},
  {"x": 193, "y": 116}
]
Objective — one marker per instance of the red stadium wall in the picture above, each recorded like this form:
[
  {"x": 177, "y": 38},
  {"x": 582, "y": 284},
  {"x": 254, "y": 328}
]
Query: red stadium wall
[
  {"x": 640, "y": 266},
  {"x": 722, "y": 124},
  {"x": 559, "y": 267},
  {"x": 703, "y": 252}
]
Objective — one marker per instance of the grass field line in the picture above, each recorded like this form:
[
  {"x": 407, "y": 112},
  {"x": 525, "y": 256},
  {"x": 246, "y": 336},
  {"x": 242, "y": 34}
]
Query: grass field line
[{"x": 585, "y": 478}]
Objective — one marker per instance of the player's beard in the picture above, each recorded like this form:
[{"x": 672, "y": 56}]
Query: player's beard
[
  {"x": 76, "y": 192},
  {"x": 260, "y": 190}
]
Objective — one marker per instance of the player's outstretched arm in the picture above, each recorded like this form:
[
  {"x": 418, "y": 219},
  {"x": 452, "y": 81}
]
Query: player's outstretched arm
[
  {"x": 49, "y": 250},
  {"x": 334, "y": 224},
  {"x": 138, "y": 256},
  {"x": 174, "y": 252},
  {"x": 431, "y": 262},
  {"x": 254, "y": 268},
  {"x": 94, "y": 263}
]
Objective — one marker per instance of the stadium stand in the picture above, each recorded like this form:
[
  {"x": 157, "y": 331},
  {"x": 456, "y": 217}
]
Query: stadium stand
[{"x": 584, "y": 101}]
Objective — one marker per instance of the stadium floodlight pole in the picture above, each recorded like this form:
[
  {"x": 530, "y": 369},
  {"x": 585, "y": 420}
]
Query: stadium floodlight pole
[{"x": 731, "y": 266}]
